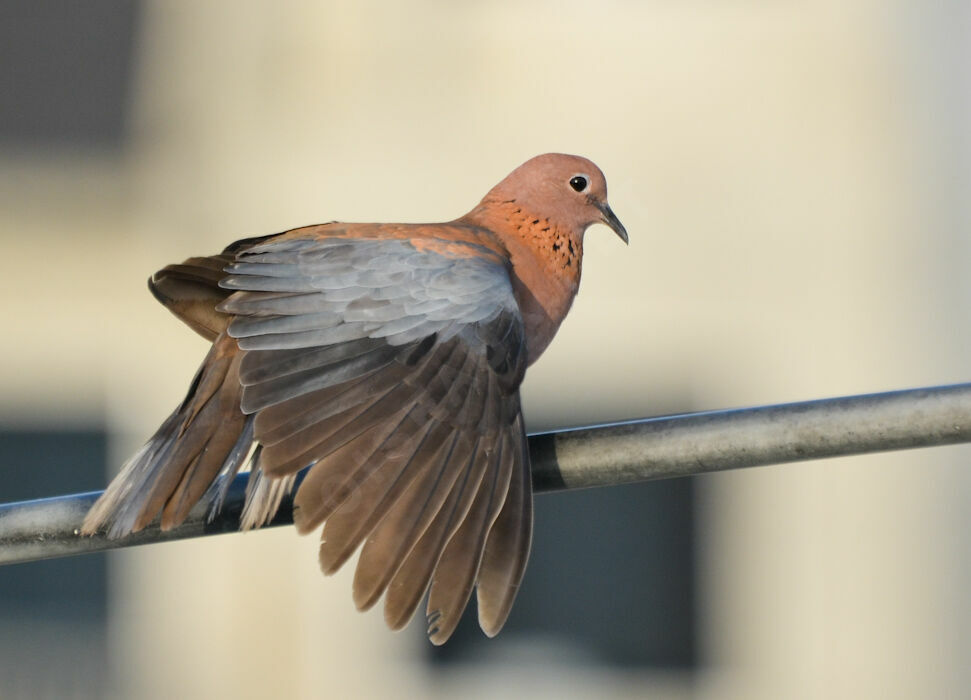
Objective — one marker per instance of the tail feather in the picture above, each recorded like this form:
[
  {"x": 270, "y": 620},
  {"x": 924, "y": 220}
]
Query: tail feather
[
  {"x": 123, "y": 502},
  {"x": 263, "y": 497},
  {"x": 216, "y": 495},
  {"x": 179, "y": 464}
]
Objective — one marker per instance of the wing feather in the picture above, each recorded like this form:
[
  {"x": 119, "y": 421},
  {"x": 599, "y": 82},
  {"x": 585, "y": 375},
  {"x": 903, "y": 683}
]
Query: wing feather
[
  {"x": 411, "y": 580},
  {"x": 406, "y": 522},
  {"x": 456, "y": 571},
  {"x": 507, "y": 549},
  {"x": 392, "y": 369}
]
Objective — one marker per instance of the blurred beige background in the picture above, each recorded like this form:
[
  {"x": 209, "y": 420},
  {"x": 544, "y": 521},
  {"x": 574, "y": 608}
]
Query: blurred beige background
[{"x": 794, "y": 178}]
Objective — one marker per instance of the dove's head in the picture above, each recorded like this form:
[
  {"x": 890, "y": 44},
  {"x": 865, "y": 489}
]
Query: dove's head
[{"x": 568, "y": 190}]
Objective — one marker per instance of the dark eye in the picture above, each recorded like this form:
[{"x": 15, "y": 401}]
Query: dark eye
[{"x": 578, "y": 182}]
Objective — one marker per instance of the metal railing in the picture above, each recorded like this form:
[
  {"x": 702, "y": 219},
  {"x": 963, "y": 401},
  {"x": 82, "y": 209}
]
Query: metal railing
[{"x": 603, "y": 455}]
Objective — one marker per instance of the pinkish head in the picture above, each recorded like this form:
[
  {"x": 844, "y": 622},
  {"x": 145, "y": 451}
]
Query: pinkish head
[{"x": 570, "y": 190}]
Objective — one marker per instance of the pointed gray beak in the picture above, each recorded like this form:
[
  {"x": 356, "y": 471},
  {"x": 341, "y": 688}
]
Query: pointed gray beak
[{"x": 613, "y": 222}]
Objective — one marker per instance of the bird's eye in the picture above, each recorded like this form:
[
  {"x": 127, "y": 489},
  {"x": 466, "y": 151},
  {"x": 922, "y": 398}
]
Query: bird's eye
[{"x": 578, "y": 183}]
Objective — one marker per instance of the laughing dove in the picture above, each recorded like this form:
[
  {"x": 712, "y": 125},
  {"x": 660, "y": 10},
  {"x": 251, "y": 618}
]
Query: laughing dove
[{"x": 388, "y": 359}]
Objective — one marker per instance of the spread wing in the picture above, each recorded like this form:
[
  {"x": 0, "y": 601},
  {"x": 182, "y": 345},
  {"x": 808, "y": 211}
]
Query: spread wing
[{"x": 393, "y": 367}]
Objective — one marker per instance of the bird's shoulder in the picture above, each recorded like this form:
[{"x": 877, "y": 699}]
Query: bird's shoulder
[{"x": 454, "y": 239}]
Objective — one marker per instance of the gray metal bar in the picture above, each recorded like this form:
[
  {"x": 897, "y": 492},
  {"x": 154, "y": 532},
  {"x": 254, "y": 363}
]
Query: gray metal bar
[
  {"x": 700, "y": 443},
  {"x": 641, "y": 450}
]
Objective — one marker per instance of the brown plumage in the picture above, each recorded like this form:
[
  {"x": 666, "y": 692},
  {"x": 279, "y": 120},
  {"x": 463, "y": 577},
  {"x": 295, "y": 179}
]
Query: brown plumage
[{"x": 388, "y": 359}]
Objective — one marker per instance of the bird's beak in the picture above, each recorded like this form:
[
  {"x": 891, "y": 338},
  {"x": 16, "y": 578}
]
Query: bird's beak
[{"x": 612, "y": 221}]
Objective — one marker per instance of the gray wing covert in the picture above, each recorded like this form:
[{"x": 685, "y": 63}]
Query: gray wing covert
[{"x": 393, "y": 368}]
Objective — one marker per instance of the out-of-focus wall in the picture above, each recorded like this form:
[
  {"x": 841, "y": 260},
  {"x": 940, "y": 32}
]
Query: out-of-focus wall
[{"x": 787, "y": 174}]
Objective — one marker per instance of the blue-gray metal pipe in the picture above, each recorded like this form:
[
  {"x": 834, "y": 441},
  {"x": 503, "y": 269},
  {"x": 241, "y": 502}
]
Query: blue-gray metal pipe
[{"x": 603, "y": 455}]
